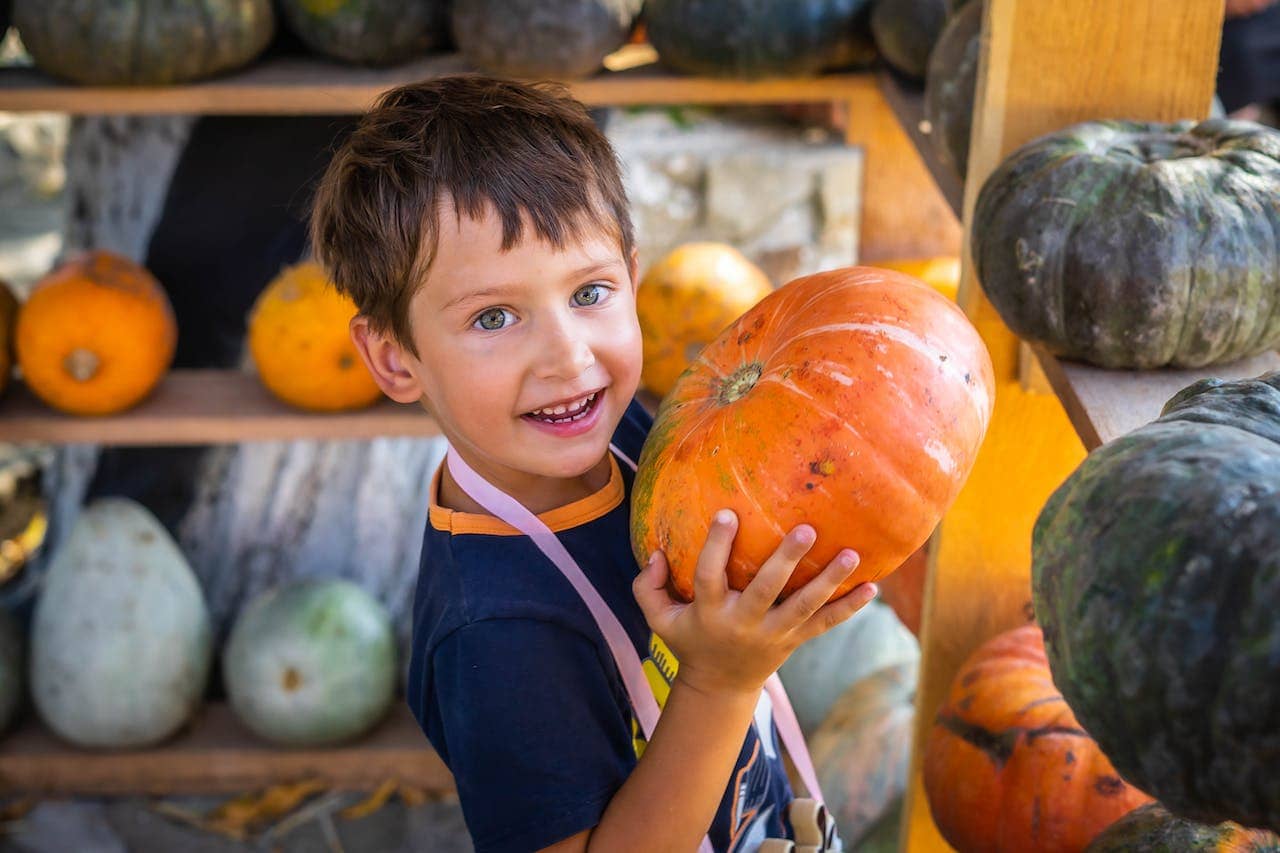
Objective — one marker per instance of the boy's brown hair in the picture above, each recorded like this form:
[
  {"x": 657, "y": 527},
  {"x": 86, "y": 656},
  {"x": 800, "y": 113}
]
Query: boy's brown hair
[{"x": 528, "y": 150}]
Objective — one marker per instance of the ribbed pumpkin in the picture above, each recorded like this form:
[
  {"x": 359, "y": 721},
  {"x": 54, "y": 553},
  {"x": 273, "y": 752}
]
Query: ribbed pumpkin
[
  {"x": 951, "y": 84},
  {"x": 906, "y": 31},
  {"x": 121, "y": 637},
  {"x": 369, "y": 32},
  {"x": 96, "y": 335},
  {"x": 143, "y": 42},
  {"x": 688, "y": 298},
  {"x": 1007, "y": 768},
  {"x": 542, "y": 38},
  {"x": 1151, "y": 829},
  {"x": 311, "y": 663},
  {"x": 852, "y": 400},
  {"x": 8, "y": 327},
  {"x": 863, "y": 748},
  {"x": 754, "y": 38},
  {"x": 1156, "y": 576},
  {"x": 300, "y": 343},
  {"x": 1134, "y": 245}
]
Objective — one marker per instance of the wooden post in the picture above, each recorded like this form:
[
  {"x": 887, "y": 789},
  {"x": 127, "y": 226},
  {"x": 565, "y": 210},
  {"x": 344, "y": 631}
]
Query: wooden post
[
  {"x": 903, "y": 213},
  {"x": 1044, "y": 66}
]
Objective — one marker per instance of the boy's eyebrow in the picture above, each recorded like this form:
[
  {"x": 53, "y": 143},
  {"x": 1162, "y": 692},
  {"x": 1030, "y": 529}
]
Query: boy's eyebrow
[{"x": 498, "y": 290}]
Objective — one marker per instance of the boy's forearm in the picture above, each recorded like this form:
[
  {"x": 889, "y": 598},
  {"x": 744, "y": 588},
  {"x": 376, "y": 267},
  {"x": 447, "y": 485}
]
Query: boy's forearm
[{"x": 670, "y": 799}]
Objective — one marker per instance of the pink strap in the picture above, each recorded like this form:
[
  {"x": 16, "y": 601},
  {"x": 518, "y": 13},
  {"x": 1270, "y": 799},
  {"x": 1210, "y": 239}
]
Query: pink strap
[{"x": 645, "y": 706}]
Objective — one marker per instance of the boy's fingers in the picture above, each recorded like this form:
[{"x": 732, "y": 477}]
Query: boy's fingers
[
  {"x": 831, "y": 615},
  {"x": 767, "y": 585},
  {"x": 650, "y": 590},
  {"x": 709, "y": 582},
  {"x": 810, "y": 598}
]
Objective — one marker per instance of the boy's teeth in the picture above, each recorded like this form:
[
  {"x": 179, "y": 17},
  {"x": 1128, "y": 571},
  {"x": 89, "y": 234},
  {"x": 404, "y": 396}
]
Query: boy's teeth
[{"x": 563, "y": 408}]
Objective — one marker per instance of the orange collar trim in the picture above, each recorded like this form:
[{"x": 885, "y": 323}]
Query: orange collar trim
[{"x": 561, "y": 518}]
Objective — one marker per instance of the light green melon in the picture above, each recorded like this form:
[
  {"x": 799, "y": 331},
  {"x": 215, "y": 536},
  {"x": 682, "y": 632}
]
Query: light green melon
[
  {"x": 311, "y": 663},
  {"x": 120, "y": 637}
]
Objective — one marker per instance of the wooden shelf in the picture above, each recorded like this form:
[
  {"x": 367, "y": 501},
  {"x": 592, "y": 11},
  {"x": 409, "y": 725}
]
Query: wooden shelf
[
  {"x": 1106, "y": 404},
  {"x": 1102, "y": 404},
  {"x": 205, "y": 407},
  {"x": 308, "y": 85},
  {"x": 216, "y": 754}
]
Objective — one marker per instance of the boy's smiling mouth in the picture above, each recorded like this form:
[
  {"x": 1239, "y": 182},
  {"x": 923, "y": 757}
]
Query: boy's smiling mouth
[{"x": 567, "y": 412}]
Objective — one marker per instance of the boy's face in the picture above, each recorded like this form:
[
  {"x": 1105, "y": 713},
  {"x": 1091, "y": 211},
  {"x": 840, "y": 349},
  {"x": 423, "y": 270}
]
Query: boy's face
[{"x": 527, "y": 358}]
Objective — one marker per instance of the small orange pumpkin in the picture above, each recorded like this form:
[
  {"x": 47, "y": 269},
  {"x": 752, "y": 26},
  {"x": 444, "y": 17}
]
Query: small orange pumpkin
[
  {"x": 299, "y": 340},
  {"x": 941, "y": 273},
  {"x": 853, "y": 400},
  {"x": 688, "y": 298},
  {"x": 96, "y": 335},
  {"x": 1007, "y": 768}
]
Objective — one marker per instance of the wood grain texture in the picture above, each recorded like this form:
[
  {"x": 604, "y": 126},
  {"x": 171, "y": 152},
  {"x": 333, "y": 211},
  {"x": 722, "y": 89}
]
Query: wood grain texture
[
  {"x": 216, "y": 754},
  {"x": 1044, "y": 66}
]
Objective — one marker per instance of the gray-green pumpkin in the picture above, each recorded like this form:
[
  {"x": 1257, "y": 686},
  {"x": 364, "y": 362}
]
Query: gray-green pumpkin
[
  {"x": 13, "y": 663},
  {"x": 542, "y": 38},
  {"x": 120, "y": 637},
  {"x": 369, "y": 32},
  {"x": 951, "y": 83},
  {"x": 311, "y": 663},
  {"x": 1156, "y": 577},
  {"x": 750, "y": 39},
  {"x": 905, "y": 32},
  {"x": 1133, "y": 245},
  {"x": 143, "y": 42},
  {"x": 1151, "y": 829}
]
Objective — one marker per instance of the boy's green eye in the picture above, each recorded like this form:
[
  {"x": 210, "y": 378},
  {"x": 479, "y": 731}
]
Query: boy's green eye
[
  {"x": 588, "y": 295},
  {"x": 492, "y": 319}
]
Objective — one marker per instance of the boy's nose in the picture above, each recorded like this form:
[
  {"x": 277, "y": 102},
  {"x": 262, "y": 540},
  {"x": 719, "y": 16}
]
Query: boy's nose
[{"x": 565, "y": 354}]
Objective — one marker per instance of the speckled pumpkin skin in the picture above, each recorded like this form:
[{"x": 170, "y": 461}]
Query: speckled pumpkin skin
[
  {"x": 369, "y": 32},
  {"x": 951, "y": 83},
  {"x": 96, "y": 335},
  {"x": 1156, "y": 576},
  {"x": 688, "y": 298},
  {"x": 1151, "y": 829},
  {"x": 561, "y": 39},
  {"x": 143, "y": 42},
  {"x": 301, "y": 346},
  {"x": 750, "y": 39},
  {"x": 1133, "y": 245},
  {"x": 1007, "y": 768}
]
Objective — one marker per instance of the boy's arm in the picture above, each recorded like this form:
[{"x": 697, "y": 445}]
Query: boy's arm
[{"x": 728, "y": 644}]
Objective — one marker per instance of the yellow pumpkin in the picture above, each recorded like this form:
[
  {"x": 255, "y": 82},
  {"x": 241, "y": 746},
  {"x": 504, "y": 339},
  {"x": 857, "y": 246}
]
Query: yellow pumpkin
[
  {"x": 942, "y": 274},
  {"x": 299, "y": 340},
  {"x": 686, "y": 300},
  {"x": 96, "y": 335}
]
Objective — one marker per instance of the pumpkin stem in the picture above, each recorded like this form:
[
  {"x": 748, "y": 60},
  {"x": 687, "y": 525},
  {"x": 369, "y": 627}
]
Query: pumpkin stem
[
  {"x": 737, "y": 384},
  {"x": 81, "y": 364}
]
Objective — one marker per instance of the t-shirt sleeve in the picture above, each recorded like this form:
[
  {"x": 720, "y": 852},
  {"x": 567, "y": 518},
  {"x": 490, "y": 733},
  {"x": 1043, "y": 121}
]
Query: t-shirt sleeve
[{"x": 531, "y": 722}]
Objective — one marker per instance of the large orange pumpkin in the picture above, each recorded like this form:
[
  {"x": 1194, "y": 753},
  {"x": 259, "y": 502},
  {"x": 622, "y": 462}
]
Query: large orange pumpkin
[
  {"x": 853, "y": 400},
  {"x": 300, "y": 343},
  {"x": 688, "y": 298},
  {"x": 95, "y": 335},
  {"x": 1007, "y": 768}
]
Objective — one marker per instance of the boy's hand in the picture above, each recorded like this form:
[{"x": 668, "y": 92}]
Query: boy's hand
[{"x": 733, "y": 641}]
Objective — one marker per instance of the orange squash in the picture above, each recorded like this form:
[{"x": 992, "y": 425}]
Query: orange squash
[
  {"x": 299, "y": 340},
  {"x": 941, "y": 273},
  {"x": 688, "y": 298},
  {"x": 1007, "y": 768},
  {"x": 96, "y": 335},
  {"x": 853, "y": 400}
]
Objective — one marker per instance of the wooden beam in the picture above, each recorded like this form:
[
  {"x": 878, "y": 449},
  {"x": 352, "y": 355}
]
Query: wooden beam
[{"x": 1044, "y": 66}]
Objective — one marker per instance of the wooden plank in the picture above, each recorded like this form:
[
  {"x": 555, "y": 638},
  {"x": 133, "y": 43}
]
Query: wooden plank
[
  {"x": 1106, "y": 404},
  {"x": 216, "y": 754},
  {"x": 906, "y": 99},
  {"x": 309, "y": 85},
  {"x": 205, "y": 407},
  {"x": 1044, "y": 66}
]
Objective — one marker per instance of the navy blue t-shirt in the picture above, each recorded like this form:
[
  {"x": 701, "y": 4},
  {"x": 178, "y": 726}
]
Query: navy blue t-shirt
[{"x": 514, "y": 684}]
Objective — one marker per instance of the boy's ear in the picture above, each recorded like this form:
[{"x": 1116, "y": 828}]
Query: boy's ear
[{"x": 386, "y": 360}]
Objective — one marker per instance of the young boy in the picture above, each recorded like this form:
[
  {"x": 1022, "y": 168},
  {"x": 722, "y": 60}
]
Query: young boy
[{"x": 482, "y": 229}]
